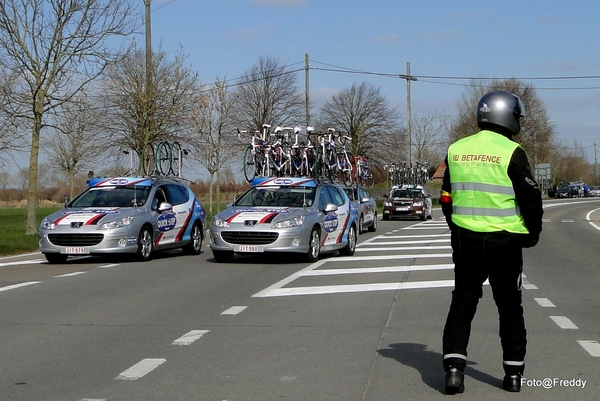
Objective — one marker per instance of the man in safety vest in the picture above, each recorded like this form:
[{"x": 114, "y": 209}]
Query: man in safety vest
[{"x": 494, "y": 209}]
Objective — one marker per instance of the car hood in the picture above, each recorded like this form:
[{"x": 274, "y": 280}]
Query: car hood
[
  {"x": 260, "y": 215},
  {"x": 90, "y": 215}
]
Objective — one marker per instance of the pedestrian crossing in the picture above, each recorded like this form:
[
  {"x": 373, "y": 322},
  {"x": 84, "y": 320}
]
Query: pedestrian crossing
[{"x": 415, "y": 257}]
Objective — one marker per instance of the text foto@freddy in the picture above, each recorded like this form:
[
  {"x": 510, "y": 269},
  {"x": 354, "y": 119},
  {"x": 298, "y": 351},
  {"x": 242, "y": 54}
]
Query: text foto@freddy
[{"x": 551, "y": 382}]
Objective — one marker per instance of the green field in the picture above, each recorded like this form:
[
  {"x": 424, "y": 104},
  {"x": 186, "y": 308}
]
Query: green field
[{"x": 13, "y": 240}]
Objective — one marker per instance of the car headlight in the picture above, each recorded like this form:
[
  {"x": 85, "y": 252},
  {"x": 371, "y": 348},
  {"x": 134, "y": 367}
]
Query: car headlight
[
  {"x": 219, "y": 222},
  {"x": 418, "y": 204},
  {"x": 47, "y": 224},
  {"x": 387, "y": 203},
  {"x": 293, "y": 222},
  {"x": 119, "y": 223}
]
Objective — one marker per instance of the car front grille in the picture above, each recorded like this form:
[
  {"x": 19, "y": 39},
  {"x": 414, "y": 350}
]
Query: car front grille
[
  {"x": 249, "y": 237},
  {"x": 75, "y": 239},
  {"x": 402, "y": 203}
]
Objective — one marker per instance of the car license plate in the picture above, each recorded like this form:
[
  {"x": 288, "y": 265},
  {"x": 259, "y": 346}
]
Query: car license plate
[
  {"x": 75, "y": 250},
  {"x": 250, "y": 248},
  {"x": 401, "y": 209}
]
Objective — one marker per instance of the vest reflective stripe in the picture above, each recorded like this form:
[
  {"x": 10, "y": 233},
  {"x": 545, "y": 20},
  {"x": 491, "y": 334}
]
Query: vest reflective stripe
[{"x": 483, "y": 198}]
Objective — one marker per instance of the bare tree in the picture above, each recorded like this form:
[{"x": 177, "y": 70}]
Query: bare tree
[
  {"x": 364, "y": 114},
  {"x": 56, "y": 48},
  {"x": 429, "y": 136},
  {"x": 142, "y": 111},
  {"x": 12, "y": 138},
  {"x": 213, "y": 135},
  {"x": 267, "y": 94},
  {"x": 75, "y": 141},
  {"x": 537, "y": 132}
]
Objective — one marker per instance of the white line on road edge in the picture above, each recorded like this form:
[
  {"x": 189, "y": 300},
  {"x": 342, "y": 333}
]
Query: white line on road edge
[
  {"x": 109, "y": 265},
  {"x": 590, "y": 346},
  {"x": 588, "y": 218},
  {"x": 69, "y": 274},
  {"x": 12, "y": 287},
  {"x": 564, "y": 322},
  {"x": 23, "y": 262},
  {"x": 190, "y": 337},
  {"x": 234, "y": 310},
  {"x": 545, "y": 302},
  {"x": 141, "y": 369}
]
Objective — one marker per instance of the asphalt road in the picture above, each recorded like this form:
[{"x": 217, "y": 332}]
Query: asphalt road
[{"x": 366, "y": 327}]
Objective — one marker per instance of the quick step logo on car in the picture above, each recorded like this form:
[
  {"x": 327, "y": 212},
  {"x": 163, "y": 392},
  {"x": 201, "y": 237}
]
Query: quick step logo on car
[{"x": 166, "y": 222}]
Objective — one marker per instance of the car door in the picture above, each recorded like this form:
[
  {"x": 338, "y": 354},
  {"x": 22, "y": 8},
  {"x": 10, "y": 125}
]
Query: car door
[
  {"x": 172, "y": 223},
  {"x": 368, "y": 207},
  {"x": 342, "y": 215}
]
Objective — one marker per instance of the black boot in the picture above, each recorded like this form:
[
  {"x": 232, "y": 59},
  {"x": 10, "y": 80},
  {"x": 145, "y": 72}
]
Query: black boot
[
  {"x": 455, "y": 381},
  {"x": 512, "y": 383}
]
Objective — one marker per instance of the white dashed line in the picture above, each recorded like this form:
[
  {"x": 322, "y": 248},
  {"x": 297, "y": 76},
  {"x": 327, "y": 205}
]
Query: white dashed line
[
  {"x": 564, "y": 322},
  {"x": 141, "y": 369},
  {"x": 69, "y": 274},
  {"x": 12, "y": 287},
  {"x": 592, "y": 347},
  {"x": 545, "y": 302},
  {"x": 190, "y": 337},
  {"x": 109, "y": 265},
  {"x": 234, "y": 310}
]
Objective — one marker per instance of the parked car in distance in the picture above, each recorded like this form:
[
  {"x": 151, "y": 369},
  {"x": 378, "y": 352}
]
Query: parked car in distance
[
  {"x": 136, "y": 215},
  {"x": 408, "y": 201},
  {"x": 365, "y": 206},
  {"x": 298, "y": 215},
  {"x": 594, "y": 190}
]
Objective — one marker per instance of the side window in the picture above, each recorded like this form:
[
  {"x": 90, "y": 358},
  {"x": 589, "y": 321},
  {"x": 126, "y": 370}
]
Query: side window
[
  {"x": 159, "y": 197},
  {"x": 324, "y": 198},
  {"x": 336, "y": 197},
  {"x": 176, "y": 195}
]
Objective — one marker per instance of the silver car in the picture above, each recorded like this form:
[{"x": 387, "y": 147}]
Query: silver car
[
  {"x": 297, "y": 215},
  {"x": 135, "y": 215},
  {"x": 365, "y": 206}
]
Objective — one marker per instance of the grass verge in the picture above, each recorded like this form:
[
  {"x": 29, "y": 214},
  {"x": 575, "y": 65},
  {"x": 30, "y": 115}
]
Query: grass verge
[{"x": 13, "y": 240}]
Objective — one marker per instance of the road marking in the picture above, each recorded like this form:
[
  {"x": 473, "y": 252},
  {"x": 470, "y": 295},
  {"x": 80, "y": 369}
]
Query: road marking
[
  {"x": 545, "y": 220},
  {"x": 234, "y": 310},
  {"x": 545, "y": 302},
  {"x": 427, "y": 241},
  {"x": 109, "y": 265},
  {"x": 190, "y": 337},
  {"x": 402, "y": 248},
  {"x": 567, "y": 221},
  {"x": 592, "y": 347},
  {"x": 588, "y": 218},
  {"x": 12, "y": 287},
  {"x": 23, "y": 262},
  {"x": 366, "y": 270},
  {"x": 141, "y": 369},
  {"x": 564, "y": 322},
  {"x": 336, "y": 289},
  {"x": 413, "y": 236},
  {"x": 386, "y": 257},
  {"x": 69, "y": 274}
]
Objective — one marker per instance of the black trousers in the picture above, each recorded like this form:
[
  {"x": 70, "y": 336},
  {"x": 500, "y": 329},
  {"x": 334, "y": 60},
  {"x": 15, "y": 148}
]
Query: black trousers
[{"x": 477, "y": 257}]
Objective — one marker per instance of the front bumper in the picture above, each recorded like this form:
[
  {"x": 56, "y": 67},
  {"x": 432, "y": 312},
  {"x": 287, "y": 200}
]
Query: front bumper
[
  {"x": 240, "y": 240},
  {"x": 82, "y": 243}
]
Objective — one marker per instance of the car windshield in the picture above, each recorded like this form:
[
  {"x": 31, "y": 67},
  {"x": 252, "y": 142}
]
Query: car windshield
[
  {"x": 407, "y": 193},
  {"x": 286, "y": 196},
  {"x": 112, "y": 197}
]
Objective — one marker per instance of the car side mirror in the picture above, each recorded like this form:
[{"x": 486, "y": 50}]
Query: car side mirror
[
  {"x": 331, "y": 208},
  {"x": 163, "y": 207},
  {"x": 364, "y": 200}
]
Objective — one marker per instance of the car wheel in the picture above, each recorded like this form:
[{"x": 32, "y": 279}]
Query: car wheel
[
  {"x": 223, "y": 256},
  {"x": 144, "y": 252},
  {"x": 196, "y": 237},
  {"x": 423, "y": 217},
  {"x": 373, "y": 226},
  {"x": 56, "y": 258},
  {"x": 314, "y": 245},
  {"x": 361, "y": 222},
  {"x": 385, "y": 217},
  {"x": 350, "y": 247}
]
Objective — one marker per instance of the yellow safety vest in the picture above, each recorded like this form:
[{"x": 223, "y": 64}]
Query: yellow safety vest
[{"x": 483, "y": 198}]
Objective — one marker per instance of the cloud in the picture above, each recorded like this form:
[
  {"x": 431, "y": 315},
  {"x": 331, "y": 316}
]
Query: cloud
[{"x": 278, "y": 3}]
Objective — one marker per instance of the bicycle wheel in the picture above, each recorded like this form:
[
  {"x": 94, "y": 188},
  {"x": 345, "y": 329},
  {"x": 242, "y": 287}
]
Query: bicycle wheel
[
  {"x": 249, "y": 164},
  {"x": 163, "y": 158},
  {"x": 175, "y": 162},
  {"x": 368, "y": 179},
  {"x": 147, "y": 160}
]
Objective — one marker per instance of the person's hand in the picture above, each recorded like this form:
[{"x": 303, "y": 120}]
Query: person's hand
[{"x": 531, "y": 241}]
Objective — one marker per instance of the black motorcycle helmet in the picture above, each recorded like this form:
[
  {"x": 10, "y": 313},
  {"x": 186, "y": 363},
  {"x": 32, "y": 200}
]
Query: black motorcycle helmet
[{"x": 500, "y": 111}]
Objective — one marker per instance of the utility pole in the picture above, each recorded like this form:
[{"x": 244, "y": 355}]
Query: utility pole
[
  {"x": 408, "y": 78},
  {"x": 595, "y": 162},
  {"x": 307, "y": 80},
  {"x": 148, "y": 42}
]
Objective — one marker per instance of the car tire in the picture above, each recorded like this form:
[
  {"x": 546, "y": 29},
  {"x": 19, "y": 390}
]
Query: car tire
[
  {"x": 423, "y": 217},
  {"x": 145, "y": 243},
  {"x": 223, "y": 256},
  {"x": 56, "y": 258},
  {"x": 361, "y": 223},
  {"x": 350, "y": 247},
  {"x": 314, "y": 245},
  {"x": 196, "y": 237},
  {"x": 373, "y": 226},
  {"x": 385, "y": 217}
]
